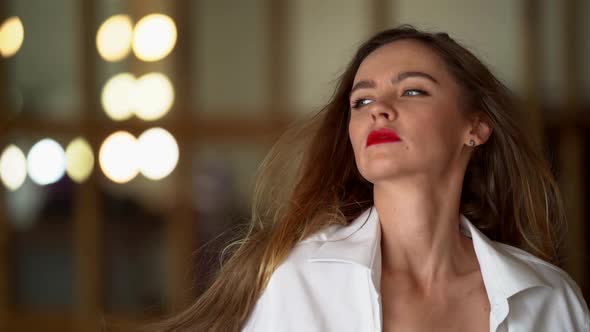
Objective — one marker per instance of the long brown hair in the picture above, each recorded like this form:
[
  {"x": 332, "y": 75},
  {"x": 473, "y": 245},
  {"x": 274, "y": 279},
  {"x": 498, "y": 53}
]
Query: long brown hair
[{"x": 508, "y": 191}]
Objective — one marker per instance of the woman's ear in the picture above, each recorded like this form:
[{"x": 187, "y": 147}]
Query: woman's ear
[{"x": 481, "y": 129}]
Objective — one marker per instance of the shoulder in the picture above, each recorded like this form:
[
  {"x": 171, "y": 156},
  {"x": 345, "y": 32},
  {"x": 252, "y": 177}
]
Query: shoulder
[
  {"x": 300, "y": 270},
  {"x": 302, "y": 295},
  {"x": 559, "y": 299},
  {"x": 553, "y": 275},
  {"x": 296, "y": 265},
  {"x": 324, "y": 275},
  {"x": 277, "y": 305},
  {"x": 535, "y": 291}
]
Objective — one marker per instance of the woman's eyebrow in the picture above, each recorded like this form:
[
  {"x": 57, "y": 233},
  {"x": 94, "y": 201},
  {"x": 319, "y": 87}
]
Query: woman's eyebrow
[
  {"x": 407, "y": 74},
  {"x": 365, "y": 84}
]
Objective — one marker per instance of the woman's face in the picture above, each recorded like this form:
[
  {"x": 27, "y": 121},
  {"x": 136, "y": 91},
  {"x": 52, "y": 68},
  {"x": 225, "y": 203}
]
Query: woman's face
[{"x": 405, "y": 87}]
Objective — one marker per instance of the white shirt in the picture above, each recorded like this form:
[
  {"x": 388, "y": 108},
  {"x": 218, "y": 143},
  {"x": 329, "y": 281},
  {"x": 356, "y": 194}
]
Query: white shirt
[{"x": 330, "y": 282}]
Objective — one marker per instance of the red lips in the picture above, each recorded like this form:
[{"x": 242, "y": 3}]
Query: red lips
[{"x": 383, "y": 135}]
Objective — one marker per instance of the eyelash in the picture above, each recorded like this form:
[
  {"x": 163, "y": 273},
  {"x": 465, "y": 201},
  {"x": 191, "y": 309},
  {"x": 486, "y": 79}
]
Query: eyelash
[{"x": 356, "y": 103}]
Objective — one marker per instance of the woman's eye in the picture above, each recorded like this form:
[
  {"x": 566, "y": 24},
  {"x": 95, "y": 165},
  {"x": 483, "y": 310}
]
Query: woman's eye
[
  {"x": 361, "y": 102},
  {"x": 414, "y": 92}
]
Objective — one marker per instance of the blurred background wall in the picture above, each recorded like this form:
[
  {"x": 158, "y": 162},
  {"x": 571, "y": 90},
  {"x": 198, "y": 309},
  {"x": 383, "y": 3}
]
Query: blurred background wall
[{"x": 130, "y": 140}]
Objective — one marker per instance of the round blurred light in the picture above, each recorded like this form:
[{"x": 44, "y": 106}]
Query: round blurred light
[
  {"x": 113, "y": 38},
  {"x": 12, "y": 34},
  {"x": 154, "y": 97},
  {"x": 46, "y": 162},
  {"x": 154, "y": 37},
  {"x": 158, "y": 153},
  {"x": 79, "y": 160},
  {"x": 117, "y": 157},
  {"x": 117, "y": 96},
  {"x": 13, "y": 167},
  {"x": 24, "y": 206}
]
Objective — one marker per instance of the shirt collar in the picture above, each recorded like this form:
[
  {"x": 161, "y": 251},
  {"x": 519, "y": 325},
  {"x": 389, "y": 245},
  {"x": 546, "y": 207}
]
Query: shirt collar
[
  {"x": 501, "y": 267},
  {"x": 359, "y": 243}
]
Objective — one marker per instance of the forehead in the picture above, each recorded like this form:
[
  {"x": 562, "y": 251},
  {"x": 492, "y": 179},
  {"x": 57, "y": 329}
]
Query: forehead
[{"x": 399, "y": 56}]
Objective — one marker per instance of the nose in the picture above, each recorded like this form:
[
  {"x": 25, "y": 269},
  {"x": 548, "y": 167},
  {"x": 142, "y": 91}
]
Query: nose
[{"x": 383, "y": 111}]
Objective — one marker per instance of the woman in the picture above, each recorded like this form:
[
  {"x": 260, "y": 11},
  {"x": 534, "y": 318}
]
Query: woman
[{"x": 417, "y": 204}]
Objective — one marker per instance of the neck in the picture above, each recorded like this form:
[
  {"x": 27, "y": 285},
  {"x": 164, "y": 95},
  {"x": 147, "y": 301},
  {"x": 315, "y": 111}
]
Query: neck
[{"x": 420, "y": 236}]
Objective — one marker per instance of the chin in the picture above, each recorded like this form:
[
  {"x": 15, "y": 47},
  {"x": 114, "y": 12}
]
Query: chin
[{"x": 376, "y": 174}]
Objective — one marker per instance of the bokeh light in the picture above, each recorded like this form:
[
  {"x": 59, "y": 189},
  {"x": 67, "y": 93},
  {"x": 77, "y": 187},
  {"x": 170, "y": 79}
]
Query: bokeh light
[
  {"x": 154, "y": 96},
  {"x": 154, "y": 37},
  {"x": 118, "y": 157},
  {"x": 117, "y": 96},
  {"x": 158, "y": 153},
  {"x": 46, "y": 162},
  {"x": 79, "y": 160},
  {"x": 12, "y": 34},
  {"x": 24, "y": 206},
  {"x": 113, "y": 39},
  {"x": 13, "y": 167}
]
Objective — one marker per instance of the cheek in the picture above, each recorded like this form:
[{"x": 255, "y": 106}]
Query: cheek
[
  {"x": 445, "y": 125},
  {"x": 354, "y": 134}
]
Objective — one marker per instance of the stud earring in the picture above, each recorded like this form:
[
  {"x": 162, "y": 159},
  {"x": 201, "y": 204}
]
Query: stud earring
[{"x": 471, "y": 143}]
